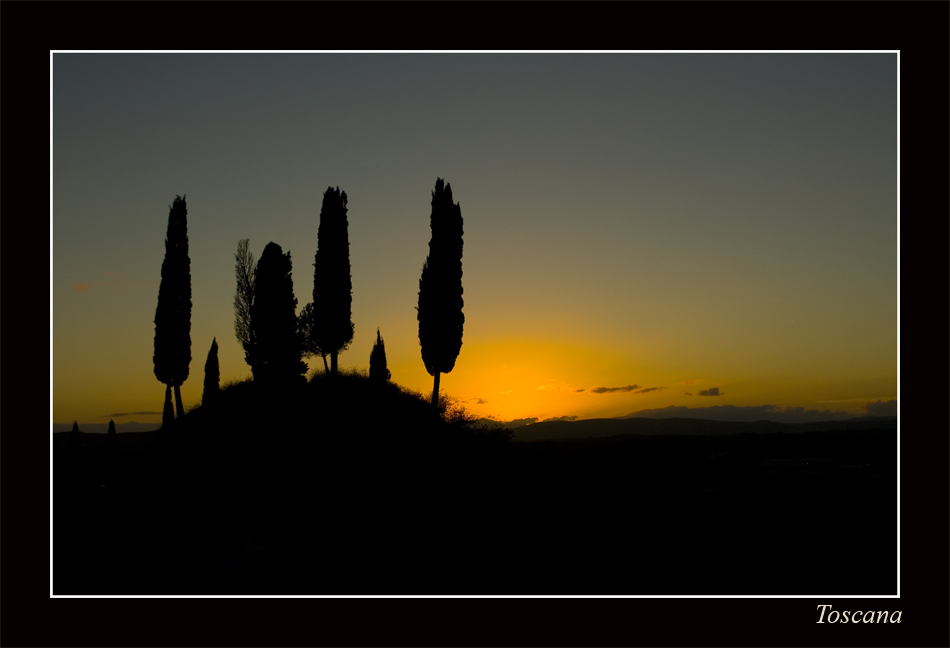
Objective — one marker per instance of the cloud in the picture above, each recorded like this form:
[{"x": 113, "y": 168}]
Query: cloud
[
  {"x": 560, "y": 418},
  {"x": 481, "y": 401},
  {"x": 520, "y": 422},
  {"x": 882, "y": 408},
  {"x": 556, "y": 386},
  {"x": 687, "y": 394},
  {"x": 83, "y": 286},
  {"x": 739, "y": 413},
  {"x": 712, "y": 391},
  {"x": 130, "y": 414},
  {"x": 577, "y": 391},
  {"x": 607, "y": 390},
  {"x": 649, "y": 389}
]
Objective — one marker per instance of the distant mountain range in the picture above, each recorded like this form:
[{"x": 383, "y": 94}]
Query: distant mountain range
[{"x": 593, "y": 428}]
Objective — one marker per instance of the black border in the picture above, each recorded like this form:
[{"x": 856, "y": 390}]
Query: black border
[{"x": 920, "y": 27}]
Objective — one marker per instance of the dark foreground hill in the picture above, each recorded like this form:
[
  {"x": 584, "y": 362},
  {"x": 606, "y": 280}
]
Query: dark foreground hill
[{"x": 349, "y": 488}]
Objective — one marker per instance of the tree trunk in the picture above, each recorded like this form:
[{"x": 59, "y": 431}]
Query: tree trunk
[
  {"x": 168, "y": 414},
  {"x": 435, "y": 391},
  {"x": 333, "y": 363},
  {"x": 326, "y": 367},
  {"x": 179, "y": 408}
]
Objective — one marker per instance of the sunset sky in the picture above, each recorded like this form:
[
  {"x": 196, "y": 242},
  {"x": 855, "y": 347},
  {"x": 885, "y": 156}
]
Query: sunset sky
[{"x": 641, "y": 230}]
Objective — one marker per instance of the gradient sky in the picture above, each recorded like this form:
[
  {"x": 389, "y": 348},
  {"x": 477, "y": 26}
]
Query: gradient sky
[{"x": 685, "y": 222}]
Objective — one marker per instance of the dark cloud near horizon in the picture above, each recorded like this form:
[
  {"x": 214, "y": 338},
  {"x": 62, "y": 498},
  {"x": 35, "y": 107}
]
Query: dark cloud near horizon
[
  {"x": 648, "y": 389},
  {"x": 686, "y": 394},
  {"x": 576, "y": 391},
  {"x": 520, "y": 422},
  {"x": 739, "y": 413},
  {"x": 480, "y": 401},
  {"x": 607, "y": 390},
  {"x": 560, "y": 418},
  {"x": 712, "y": 391},
  {"x": 881, "y": 408}
]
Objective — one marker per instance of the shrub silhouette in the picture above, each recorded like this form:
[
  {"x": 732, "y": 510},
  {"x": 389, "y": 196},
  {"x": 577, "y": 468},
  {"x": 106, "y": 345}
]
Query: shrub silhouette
[
  {"x": 274, "y": 320},
  {"x": 378, "y": 371},
  {"x": 440, "y": 288},
  {"x": 212, "y": 375},
  {"x": 332, "y": 285},
  {"x": 173, "y": 314}
]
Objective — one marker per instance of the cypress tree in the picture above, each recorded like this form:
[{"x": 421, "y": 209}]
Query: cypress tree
[
  {"x": 173, "y": 315},
  {"x": 74, "y": 439},
  {"x": 332, "y": 283},
  {"x": 243, "y": 299},
  {"x": 440, "y": 288},
  {"x": 378, "y": 371},
  {"x": 111, "y": 439},
  {"x": 212, "y": 375},
  {"x": 274, "y": 320}
]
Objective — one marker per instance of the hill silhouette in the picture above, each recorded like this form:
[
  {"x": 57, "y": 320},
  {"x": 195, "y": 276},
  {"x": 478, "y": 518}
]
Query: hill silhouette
[
  {"x": 344, "y": 485},
  {"x": 340, "y": 484}
]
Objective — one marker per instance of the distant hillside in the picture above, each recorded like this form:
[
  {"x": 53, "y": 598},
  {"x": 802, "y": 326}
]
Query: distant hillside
[
  {"x": 102, "y": 428},
  {"x": 594, "y": 428}
]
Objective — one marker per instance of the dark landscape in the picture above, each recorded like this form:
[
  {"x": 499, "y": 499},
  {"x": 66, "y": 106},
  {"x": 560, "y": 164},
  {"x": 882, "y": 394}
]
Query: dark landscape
[{"x": 345, "y": 486}]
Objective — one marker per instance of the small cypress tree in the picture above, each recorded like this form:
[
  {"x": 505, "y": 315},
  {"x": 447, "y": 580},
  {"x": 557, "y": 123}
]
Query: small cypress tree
[
  {"x": 378, "y": 371},
  {"x": 74, "y": 439},
  {"x": 111, "y": 438},
  {"x": 212, "y": 375}
]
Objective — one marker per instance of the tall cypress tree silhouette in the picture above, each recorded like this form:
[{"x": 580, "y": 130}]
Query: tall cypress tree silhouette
[
  {"x": 212, "y": 375},
  {"x": 243, "y": 299},
  {"x": 440, "y": 288},
  {"x": 173, "y": 315},
  {"x": 378, "y": 371},
  {"x": 274, "y": 320},
  {"x": 332, "y": 285}
]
